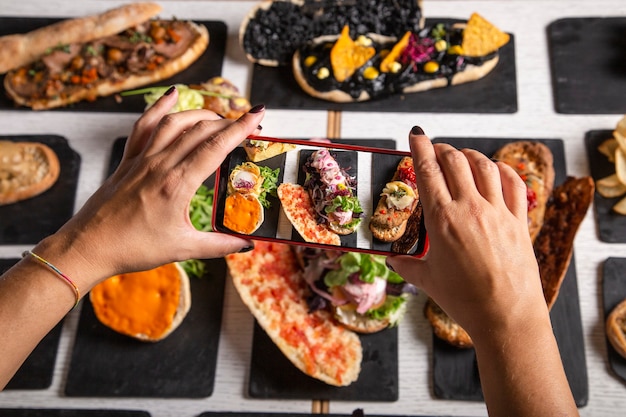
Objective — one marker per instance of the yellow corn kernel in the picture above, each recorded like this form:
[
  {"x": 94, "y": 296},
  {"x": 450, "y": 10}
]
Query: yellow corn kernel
[
  {"x": 431, "y": 67},
  {"x": 310, "y": 60},
  {"x": 323, "y": 73},
  {"x": 441, "y": 45},
  {"x": 455, "y": 50},
  {"x": 370, "y": 73}
]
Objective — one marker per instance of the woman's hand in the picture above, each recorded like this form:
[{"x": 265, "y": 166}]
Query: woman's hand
[
  {"x": 139, "y": 218},
  {"x": 480, "y": 267}
]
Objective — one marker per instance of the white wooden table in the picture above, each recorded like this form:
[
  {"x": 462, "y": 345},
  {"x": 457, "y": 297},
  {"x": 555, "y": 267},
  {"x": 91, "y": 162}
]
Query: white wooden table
[{"x": 91, "y": 134}]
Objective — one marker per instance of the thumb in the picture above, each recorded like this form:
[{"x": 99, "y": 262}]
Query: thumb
[{"x": 412, "y": 269}]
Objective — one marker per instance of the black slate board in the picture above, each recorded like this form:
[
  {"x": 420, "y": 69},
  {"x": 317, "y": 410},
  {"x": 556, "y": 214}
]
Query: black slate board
[
  {"x": 614, "y": 292},
  {"x": 208, "y": 65},
  {"x": 495, "y": 93},
  {"x": 37, "y": 370},
  {"x": 58, "y": 412},
  {"x": 29, "y": 221},
  {"x": 107, "y": 364},
  {"x": 273, "y": 376},
  {"x": 455, "y": 373},
  {"x": 611, "y": 225},
  {"x": 588, "y": 64}
]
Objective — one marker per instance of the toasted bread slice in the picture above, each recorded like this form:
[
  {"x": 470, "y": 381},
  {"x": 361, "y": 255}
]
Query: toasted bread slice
[
  {"x": 27, "y": 169},
  {"x": 260, "y": 150},
  {"x": 534, "y": 162},
  {"x": 388, "y": 223},
  {"x": 616, "y": 328},
  {"x": 555, "y": 243},
  {"x": 271, "y": 284},
  {"x": 147, "y": 305},
  {"x": 445, "y": 327}
]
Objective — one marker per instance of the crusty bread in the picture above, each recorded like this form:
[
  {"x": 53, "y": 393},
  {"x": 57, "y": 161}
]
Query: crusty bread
[
  {"x": 144, "y": 305},
  {"x": 270, "y": 283},
  {"x": 268, "y": 150},
  {"x": 20, "y": 49},
  {"x": 106, "y": 86},
  {"x": 445, "y": 327},
  {"x": 555, "y": 242},
  {"x": 27, "y": 169},
  {"x": 616, "y": 328},
  {"x": 388, "y": 223},
  {"x": 534, "y": 162},
  {"x": 298, "y": 208},
  {"x": 359, "y": 323}
]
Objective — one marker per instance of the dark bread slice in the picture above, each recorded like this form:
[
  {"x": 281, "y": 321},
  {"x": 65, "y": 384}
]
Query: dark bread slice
[
  {"x": 555, "y": 243},
  {"x": 445, "y": 327},
  {"x": 274, "y": 29},
  {"x": 534, "y": 162}
]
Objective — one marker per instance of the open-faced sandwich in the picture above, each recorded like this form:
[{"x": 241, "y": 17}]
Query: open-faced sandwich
[
  {"x": 27, "y": 169},
  {"x": 342, "y": 69},
  {"x": 274, "y": 29},
  {"x": 147, "y": 305},
  {"x": 248, "y": 188},
  {"x": 99, "y": 55},
  {"x": 616, "y": 328},
  {"x": 358, "y": 288},
  {"x": 614, "y": 185},
  {"x": 271, "y": 284},
  {"x": 397, "y": 202}
]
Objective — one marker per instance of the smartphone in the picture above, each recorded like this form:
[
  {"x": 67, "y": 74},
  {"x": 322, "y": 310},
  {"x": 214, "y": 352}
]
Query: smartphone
[{"x": 369, "y": 168}]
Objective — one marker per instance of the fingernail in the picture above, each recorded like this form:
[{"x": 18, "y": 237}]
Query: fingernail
[
  {"x": 259, "y": 127},
  {"x": 246, "y": 249},
  {"x": 220, "y": 116},
  {"x": 170, "y": 90},
  {"x": 494, "y": 160},
  {"x": 416, "y": 130},
  {"x": 389, "y": 266},
  {"x": 257, "y": 109}
]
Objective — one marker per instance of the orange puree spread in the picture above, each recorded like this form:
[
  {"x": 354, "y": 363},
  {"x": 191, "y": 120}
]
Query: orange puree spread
[
  {"x": 242, "y": 213},
  {"x": 139, "y": 303}
]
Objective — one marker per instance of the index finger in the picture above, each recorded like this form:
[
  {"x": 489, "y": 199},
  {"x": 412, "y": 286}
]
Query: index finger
[{"x": 430, "y": 180}]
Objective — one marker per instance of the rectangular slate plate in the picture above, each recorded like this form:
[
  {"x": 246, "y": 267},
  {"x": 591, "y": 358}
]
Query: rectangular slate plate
[
  {"x": 273, "y": 376},
  {"x": 36, "y": 372},
  {"x": 495, "y": 93},
  {"x": 455, "y": 374},
  {"x": 29, "y": 221},
  {"x": 611, "y": 225},
  {"x": 105, "y": 363},
  {"x": 588, "y": 65},
  {"x": 208, "y": 65},
  {"x": 614, "y": 292},
  {"x": 57, "y": 412}
]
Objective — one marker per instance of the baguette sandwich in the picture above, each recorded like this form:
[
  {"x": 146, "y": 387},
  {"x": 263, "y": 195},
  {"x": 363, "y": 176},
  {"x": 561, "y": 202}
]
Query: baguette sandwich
[
  {"x": 616, "y": 328},
  {"x": 397, "y": 202},
  {"x": 27, "y": 169},
  {"x": 271, "y": 284},
  {"x": 341, "y": 69},
  {"x": 99, "y": 55},
  {"x": 147, "y": 305}
]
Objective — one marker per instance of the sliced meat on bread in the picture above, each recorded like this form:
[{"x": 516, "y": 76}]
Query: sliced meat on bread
[
  {"x": 534, "y": 162},
  {"x": 271, "y": 284},
  {"x": 21, "y": 49},
  {"x": 555, "y": 243},
  {"x": 147, "y": 305},
  {"x": 260, "y": 150},
  {"x": 27, "y": 169}
]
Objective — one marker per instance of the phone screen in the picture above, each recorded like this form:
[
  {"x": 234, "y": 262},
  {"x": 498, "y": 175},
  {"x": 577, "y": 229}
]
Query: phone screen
[{"x": 365, "y": 175}]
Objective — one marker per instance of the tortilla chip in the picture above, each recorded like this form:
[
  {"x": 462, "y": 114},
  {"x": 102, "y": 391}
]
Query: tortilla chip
[{"x": 481, "y": 38}]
